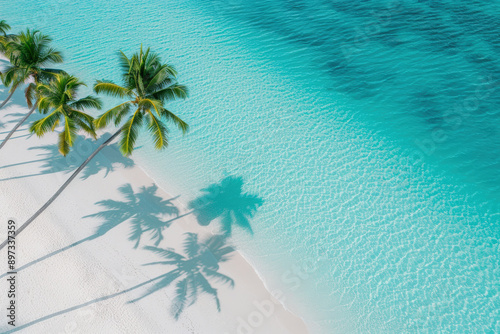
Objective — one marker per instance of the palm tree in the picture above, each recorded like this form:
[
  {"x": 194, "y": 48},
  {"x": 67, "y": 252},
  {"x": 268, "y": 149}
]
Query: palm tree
[
  {"x": 4, "y": 38},
  {"x": 144, "y": 208},
  {"x": 227, "y": 201},
  {"x": 147, "y": 84},
  {"x": 151, "y": 83},
  {"x": 193, "y": 271},
  {"x": 4, "y": 27},
  {"x": 59, "y": 100},
  {"x": 29, "y": 54}
]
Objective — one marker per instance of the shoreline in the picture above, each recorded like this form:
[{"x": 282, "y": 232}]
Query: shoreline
[{"x": 78, "y": 273}]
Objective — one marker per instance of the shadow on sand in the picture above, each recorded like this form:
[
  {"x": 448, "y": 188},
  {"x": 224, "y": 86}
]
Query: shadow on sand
[
  {"x": 143, "y": 209},
  {"x": 18, "y": 99},
  {"x": 146, "y": 212},
  {"x": 54, "y": 162},
  {"x": 197, "y": 268},
  {"x": 192, "y": 273}
]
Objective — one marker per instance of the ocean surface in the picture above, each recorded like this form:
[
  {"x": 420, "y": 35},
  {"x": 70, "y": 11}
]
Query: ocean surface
[{"x": 369, "y": 129}]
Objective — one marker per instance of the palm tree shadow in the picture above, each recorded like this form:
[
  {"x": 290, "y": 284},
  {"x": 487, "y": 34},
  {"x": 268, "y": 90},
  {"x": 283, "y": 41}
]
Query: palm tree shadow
[
  {"x": 19, "y": 115},
  {"x": 17, "y": 99},
  {"x": 226, "y": 201},
  {"x": 8, "y": 125},
  {"x": 144, "y": 209},
  {"x": 193, "y": 271},
  {"x": 53, "y": 162},
  {"x": 192, "y": 274}
]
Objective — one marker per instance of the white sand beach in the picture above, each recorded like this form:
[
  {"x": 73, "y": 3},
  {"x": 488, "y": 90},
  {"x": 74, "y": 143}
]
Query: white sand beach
[{"x": 67, "y": 292}]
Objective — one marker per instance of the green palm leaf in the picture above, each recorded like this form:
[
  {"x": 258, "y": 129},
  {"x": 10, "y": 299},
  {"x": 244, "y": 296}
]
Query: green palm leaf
[
  {"x": 87, "y": 102},
  {"x": 111, "y": 89},
  {"x": 46, "y": 124},
  {"x": 113, "y": 113},
  {"x": 4, "y": 27},
  {"x": 183, "y": 126},
  {"x": 176, "y": 91},
  {"x": 130, "y": 132},
  {"x": 158, "y": 131}
]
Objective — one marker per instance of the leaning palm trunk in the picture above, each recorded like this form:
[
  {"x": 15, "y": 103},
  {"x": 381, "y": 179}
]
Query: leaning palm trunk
[
  {"x": 64, "y": 186},
  {"x": 7, "y": 99},
  {"x": 11, "y": 133}
]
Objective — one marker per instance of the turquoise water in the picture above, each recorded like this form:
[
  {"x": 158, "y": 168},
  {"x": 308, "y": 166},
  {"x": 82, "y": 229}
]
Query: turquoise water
[{"x": 370, "y": 129}]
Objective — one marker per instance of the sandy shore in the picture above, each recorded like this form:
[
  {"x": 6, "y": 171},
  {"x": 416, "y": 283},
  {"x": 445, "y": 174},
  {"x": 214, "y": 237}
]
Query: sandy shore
[{"x": 80, "y": 289}]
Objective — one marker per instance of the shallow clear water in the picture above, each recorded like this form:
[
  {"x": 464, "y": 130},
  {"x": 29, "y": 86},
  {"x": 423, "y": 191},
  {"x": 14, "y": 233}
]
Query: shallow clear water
[{"x": 370, "y": 129}]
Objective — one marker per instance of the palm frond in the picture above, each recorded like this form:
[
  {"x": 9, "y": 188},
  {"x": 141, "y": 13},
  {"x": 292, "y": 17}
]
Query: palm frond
[
  {"x": 46, "y": 75},
  {"x": 111, "y": 89},
  {"x": 130, "y": 132},
  {"x": 183, "y": 126},
  {"x": 46, "y": 124},
  {"x": 86, "y": 125},
  {"x": 151, "y": 104},
  {"x": 158, "y": 132},
  {"x": 4, "y": 27},
  {"x": 113, "y": 113},
  {"x": 67, "y": 137},
  {"x": 173, "y": 92},
  {"x": 125, "y": 63},
  {"x": 120, "y": 114},
  {"x": 52, "y": 56},
  {"x": 162, "y": 74},
  {"x": 87, "y": 102}
]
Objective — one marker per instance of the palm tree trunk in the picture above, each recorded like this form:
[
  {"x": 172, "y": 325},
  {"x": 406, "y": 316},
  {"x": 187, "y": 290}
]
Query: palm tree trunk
[
  {"x": 64, "y": 186},
  {"x": 8, "y": 98},
  {"x": 17, "y": 126}
]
